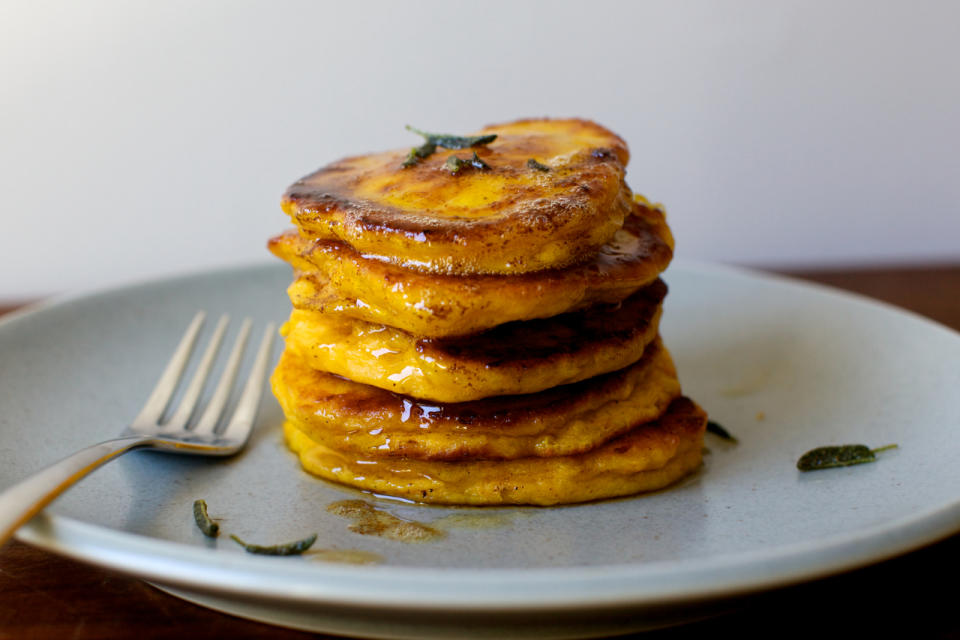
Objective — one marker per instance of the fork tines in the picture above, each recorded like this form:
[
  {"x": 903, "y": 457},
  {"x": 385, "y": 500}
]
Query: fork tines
[{"x": 150, "y": 418}]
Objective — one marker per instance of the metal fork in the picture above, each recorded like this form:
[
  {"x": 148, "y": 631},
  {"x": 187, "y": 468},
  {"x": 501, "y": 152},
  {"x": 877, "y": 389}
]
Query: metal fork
[{"x": 22, "y": 501}]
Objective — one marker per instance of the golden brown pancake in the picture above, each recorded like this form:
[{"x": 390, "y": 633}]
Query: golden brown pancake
[
  {"x": 333, "y": 278},
  {"x": 363, "y": 421},
  {"x": 510, "y": 359},
  {"x": 509, "y": 218},
  {"x": 648, "y": 457}
]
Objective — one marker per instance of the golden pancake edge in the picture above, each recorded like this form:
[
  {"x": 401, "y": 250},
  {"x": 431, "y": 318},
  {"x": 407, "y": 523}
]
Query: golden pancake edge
[
  {"x": 649, "y": 457},
  {"x": 370, "y": 422},
  {"x": 510, "y": 359},
  {"x": 335, "y": 279}
]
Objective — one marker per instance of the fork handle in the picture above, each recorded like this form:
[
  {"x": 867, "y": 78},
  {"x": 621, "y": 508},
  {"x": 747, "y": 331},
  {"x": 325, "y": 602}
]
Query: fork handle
[{"x": 24, "y": 500}]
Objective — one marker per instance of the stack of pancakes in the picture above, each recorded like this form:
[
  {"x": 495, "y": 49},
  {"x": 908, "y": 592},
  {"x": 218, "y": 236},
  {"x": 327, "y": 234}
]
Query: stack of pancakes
[{"x": 480, "y": 325}]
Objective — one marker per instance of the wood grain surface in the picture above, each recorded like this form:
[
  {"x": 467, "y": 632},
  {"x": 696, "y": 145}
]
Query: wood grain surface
[{"x": 45, "y": 596}]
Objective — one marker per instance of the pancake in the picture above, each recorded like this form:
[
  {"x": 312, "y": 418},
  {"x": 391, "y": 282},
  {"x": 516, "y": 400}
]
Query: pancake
[
  {"x": 509, "y": 218},
  {"x": 367, "y": 422},
  {"x": 648, "y": 457},
  {"x": 510, "y": 359},
  {"x": 333, "y": 278}
]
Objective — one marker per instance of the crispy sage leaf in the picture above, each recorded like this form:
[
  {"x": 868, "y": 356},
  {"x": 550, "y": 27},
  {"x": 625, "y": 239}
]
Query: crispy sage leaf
[
  {"x": 839, "y": 456},
  {"x": 288, "y": 549},
  {"x": 445, "y": 140},
  {"x": 210, "y": 528},
  {"x": 716, "y": 429},
  {"x": 455, "y": 165},
  {"x": 419, "y": 153},
  {"x": 448, "y": 141},
  {"x": 539, "y": 166}
]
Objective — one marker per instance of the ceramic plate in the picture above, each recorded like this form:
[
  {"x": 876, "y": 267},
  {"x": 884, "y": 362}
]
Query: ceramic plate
[{"x": 784, "y": 366}]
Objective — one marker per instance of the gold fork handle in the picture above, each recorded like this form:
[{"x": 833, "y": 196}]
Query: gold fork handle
[{"x": 24, "y": 500}]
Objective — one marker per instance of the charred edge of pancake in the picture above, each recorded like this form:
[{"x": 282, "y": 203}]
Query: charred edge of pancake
[
  {"x": 542, "y": 216},
  {"x": 683, "y": 419},
  {"x": 291, "y": 245},
  {"x": 543, "y": 340},
  {"x": 309, "y": 202}
]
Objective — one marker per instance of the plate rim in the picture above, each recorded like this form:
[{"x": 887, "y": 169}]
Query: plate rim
[{"x": 236, "y": 574}]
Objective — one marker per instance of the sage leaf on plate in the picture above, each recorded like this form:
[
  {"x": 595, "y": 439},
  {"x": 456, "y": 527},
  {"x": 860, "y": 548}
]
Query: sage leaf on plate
[
  {"x": 717, "y": 429},
  {"x": 289, "y": 549},
  {"x": 839, "y": 456},
  {"x": 210, "y": 528}
]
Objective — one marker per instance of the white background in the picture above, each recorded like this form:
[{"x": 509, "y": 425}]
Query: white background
[{"x": 140, "y": 139}]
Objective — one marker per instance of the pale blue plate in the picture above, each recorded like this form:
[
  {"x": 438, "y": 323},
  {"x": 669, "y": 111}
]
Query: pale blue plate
[{"x": 785, "y": 366}]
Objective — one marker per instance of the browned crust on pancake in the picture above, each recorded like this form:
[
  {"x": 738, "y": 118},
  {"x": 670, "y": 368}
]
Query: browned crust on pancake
[
  {"x": 368, "y": 421},
  {"x": 513, "y": 358},
  {"x": 554, "y": 220},
  {"x": 333, "y": 278},
  {"x": 539, "y": 343},
  {"x": 649, "y": 457}
]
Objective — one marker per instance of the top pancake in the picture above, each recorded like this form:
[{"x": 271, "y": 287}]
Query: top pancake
[{"x": 509, "y": 218}]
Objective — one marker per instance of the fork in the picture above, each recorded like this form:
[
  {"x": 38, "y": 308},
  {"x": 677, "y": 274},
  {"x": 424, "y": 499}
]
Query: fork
[{"x": 21, "y": 502}]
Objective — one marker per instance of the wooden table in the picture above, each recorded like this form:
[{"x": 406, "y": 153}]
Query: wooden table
[{"x": 45, "y": 596}]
